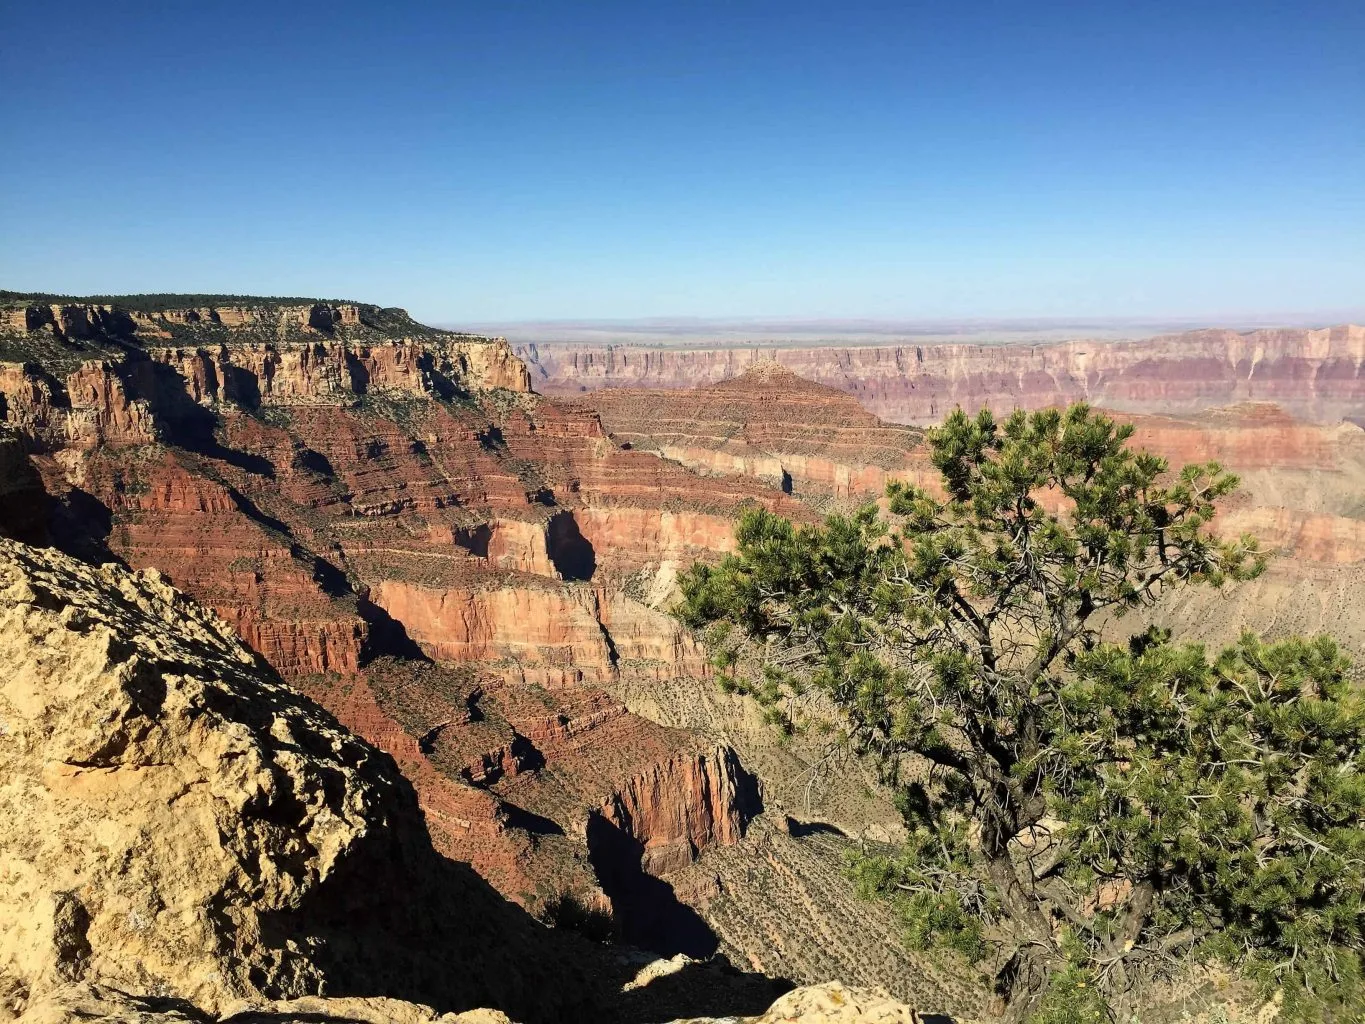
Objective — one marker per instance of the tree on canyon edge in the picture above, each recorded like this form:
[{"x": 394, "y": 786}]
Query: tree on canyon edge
[{"x": 1083, "y": 815}]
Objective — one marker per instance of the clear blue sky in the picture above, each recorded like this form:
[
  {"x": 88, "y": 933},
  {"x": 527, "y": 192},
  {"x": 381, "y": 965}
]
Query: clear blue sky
[{"x": 494, "y": 160}]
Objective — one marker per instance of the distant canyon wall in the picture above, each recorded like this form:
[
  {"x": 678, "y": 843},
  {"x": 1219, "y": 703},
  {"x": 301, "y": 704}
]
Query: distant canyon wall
[{"x": 1316, "y": 375}]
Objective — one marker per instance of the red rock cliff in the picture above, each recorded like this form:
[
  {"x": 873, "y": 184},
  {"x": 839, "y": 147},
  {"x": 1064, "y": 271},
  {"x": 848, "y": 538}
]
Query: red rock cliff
[
  {"x": 682, "y": 806},
  {"x": 770, "y": 424}
]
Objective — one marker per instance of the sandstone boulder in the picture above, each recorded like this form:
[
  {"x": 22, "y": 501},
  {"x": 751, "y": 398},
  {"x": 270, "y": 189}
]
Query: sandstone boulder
[{"x": 830, "y": 1003}]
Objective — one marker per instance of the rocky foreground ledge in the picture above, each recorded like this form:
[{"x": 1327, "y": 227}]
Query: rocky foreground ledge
[
  {"x": 817, "y": 1004},
  {"x": 183, "y": 837}
]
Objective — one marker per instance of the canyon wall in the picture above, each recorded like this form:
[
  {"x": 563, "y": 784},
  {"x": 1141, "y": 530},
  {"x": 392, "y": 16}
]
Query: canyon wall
[
  {"x": 717, "y": 801},
  {"x": 1316, "y": 375},
  {"x": 769, "y": 424},
  {"x": 1301, "y": 483},
  {"x": 358, "y": 506}
]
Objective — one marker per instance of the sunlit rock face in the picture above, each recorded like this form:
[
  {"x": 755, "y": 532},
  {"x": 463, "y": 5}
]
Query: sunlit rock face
[{"x": 769, "y": 424}]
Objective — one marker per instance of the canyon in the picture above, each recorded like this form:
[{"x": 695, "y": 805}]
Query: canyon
[
  {"x": 464, "y": 573},
  {"x": 475, "y": 577},
  {"x": 1300, "y": 493}
]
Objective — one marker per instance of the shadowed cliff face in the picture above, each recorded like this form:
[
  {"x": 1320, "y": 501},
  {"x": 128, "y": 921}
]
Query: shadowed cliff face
[
  {"x": 24, "y": 505},
  {"x": 1315, "y": 374}
]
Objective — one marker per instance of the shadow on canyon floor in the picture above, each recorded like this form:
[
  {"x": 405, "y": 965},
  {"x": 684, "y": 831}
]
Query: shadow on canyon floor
[
  {"x": 647, "y": 911},
  {"x": 801, "y": 829}
]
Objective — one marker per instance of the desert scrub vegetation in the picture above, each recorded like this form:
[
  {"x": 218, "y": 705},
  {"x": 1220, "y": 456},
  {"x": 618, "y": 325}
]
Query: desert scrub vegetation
[{"x": 1094, "y": 814}]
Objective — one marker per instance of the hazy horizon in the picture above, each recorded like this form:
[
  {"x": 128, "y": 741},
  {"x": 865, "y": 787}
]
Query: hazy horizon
[{"x": 727, "y": 331}]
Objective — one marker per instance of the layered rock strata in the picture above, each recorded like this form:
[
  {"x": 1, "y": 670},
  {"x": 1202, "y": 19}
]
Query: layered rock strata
[
  {"x": 249, "y": 350},
  {"x": 1301, "y": 482},
  {"x": 769, "y": 424},
  {"x": 1315, "y": 374},
  {"x": 340, "y": 501}
]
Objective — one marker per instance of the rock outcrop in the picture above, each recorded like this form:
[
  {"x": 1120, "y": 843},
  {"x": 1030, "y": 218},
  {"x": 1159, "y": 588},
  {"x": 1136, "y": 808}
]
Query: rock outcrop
[
  {"x": 830, "y": 1003},
  {"x": 178, "y": 822},
  {"x": 681, "y": 806},
  {"x": 769, "y": 424},
  {"x": 259, "y": 374},
  {"x": 1317, "y": 375},
  {"x": 101, "y": 1003}
]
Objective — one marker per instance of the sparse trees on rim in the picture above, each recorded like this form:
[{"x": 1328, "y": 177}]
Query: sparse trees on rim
[{"x": 1083, "y": 814}]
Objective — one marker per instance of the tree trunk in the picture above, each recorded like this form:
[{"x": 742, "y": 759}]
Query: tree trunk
[{"x": 1022, "y": 981}]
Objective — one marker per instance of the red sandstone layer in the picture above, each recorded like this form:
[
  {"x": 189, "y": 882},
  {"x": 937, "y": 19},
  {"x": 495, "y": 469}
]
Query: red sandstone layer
[{"x": 1301, "y": 482}]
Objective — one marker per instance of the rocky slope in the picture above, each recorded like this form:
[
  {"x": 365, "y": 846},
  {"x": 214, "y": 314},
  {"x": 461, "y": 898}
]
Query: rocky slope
[{"x": 1314, "y": 374}]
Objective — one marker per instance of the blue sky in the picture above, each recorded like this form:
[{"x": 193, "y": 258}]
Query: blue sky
[{"x": 515, "y": 161}]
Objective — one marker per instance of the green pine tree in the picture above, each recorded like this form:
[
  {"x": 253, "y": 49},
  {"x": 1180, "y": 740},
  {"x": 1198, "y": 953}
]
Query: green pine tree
[{"x": 1084, "y": 816}]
